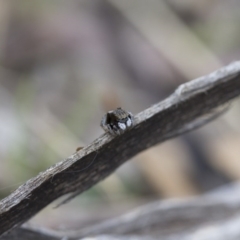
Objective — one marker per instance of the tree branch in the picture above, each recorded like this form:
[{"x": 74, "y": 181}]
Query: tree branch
[
  {"x": 212, "y": 214},
  {"x": 93, "y": 163}
]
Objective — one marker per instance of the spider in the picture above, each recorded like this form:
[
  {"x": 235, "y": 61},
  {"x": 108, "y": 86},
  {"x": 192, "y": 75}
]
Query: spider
[{"x": 117, "y": 121}]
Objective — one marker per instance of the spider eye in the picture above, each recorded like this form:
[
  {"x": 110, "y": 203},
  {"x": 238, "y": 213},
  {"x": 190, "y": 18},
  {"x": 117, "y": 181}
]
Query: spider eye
[
  {"x": 122, "y": 126},
  {"x": 129, "y": 122}
]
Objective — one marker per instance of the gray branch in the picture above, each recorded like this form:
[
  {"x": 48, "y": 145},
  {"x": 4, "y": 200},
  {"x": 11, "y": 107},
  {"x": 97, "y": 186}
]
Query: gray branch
[
  {"x": 215, "y": 217},
  {"x": 178, "y": 113}
]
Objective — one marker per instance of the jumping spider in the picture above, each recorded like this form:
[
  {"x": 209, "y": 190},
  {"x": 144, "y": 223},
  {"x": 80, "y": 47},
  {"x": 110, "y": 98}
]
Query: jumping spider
[{"x": 117, "y": 121}]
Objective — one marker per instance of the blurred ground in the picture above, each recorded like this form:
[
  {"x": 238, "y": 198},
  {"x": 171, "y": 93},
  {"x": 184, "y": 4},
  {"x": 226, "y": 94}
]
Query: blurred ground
[{"x": 63, "y": 64}]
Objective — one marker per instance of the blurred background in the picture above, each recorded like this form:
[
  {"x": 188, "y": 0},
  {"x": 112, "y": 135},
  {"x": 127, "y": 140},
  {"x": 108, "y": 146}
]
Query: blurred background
[{"x": 63, "y": 64}]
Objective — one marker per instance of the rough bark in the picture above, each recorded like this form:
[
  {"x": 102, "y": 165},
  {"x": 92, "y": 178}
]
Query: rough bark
[{"x": 83, "y": 169}]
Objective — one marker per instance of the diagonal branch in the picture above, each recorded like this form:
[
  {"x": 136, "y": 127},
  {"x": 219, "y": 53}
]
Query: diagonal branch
[
  {"x": 93, "y": 163},
  {"x": 199, "y": 122}
]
